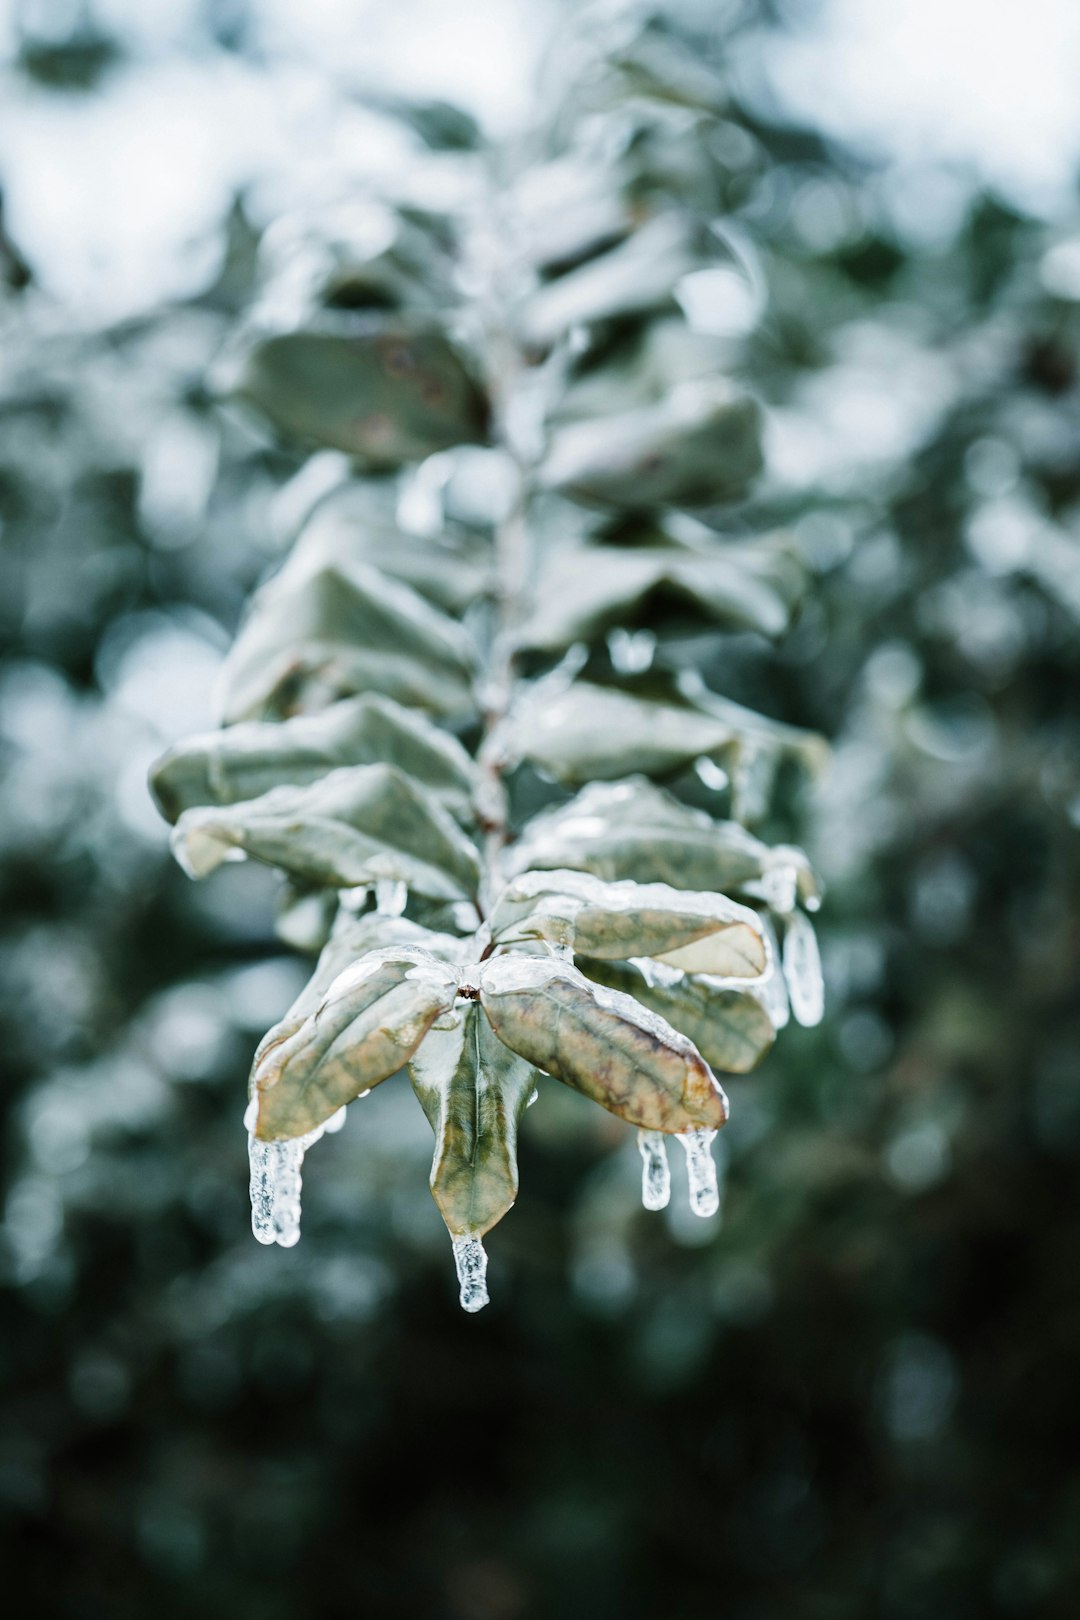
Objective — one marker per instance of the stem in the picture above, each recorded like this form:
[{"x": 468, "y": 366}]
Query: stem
[{"x": 505, "y": 364}]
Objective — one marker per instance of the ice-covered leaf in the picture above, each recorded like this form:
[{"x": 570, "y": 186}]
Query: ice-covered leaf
[
  {"x": 729, "y": 1026},
  {"x": 582, "y": 593},
  {"x": 698, "y": 933},
  {"x": 636, "y": 275},
  {"x": 355, "y": 524},
  {"x": 702, "y": 444},
  {"x": 634, "y": 830},
  {"x": 367, "y": 1025},
  {"x": 596, "y": 733},
  {"x": 601, "y": 1042},
  {"x": 312, "y": 637},
  {"x": 387, "y": 389},
  {"x": 356, "y": 825},
  {"x": 246, "y": 760},
  {"x": 474, "y": 1091}
]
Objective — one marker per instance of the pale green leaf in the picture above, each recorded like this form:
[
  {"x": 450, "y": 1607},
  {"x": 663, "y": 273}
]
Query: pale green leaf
[
  {"x": 249, "y": 759},
  {"x": 700, "y": 445},
  {"x": 315, "y": 634},
  {"x": 474, "y": 1091},
  {"x": 356, "y": 825},
  {"x": 385, "y": 388}
]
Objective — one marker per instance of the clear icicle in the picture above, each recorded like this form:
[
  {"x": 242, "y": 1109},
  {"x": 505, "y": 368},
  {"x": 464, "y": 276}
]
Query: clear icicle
[
  {"x": 391, "y": 897},
  {"x": 701, "y": 1170},
  {"x": 471, "y": 1262},
  {"x": 655, "y": 1171},
  {"x": 276, "y": 1179},
  {"x": 802, "y": 969}
]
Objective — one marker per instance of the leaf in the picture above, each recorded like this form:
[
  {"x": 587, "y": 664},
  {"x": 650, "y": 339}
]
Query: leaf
[
  {"x": 604, "y": 1044},
  {"x": 702, "y": 444},
  {"x": 634, "y": 276},
  {"x": 247, "y": 760},
  {"x": 313, "y": 636},
  {"x": 596, "y": 733},
  {"x": 355, "y": 524},
  {"x": 368, "y": 1024},
  {"x": 386, "y": 389},
  {"x": 632, "y": 829},
  {"x": 474, "y": 1091},
  {"x": 584, "y": 592},
  {"x": 354, "y": 826},
  {"x": 355, "y": 936},
  {"x": 730, "y": 1027},
  {"x": 698, "y": 933}
]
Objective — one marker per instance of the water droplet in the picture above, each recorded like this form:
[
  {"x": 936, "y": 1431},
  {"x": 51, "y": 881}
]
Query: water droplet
[
  {"x": 471, "y": 1262},
  {"x": 802, "y": 969},
  {"x": 655, "y": 1171},
  {"x": 701, "y": 1170}
]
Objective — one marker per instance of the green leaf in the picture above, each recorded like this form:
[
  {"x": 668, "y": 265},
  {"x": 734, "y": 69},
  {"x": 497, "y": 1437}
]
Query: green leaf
[
  {"x": 312, "y": 637},
  {"x": 702, "y": 444},
  {"x": 367, "y": 1025},
  {"x": 634, "y": 276},
  {"x": 247, "y": 760},
  {"x": 386, "y": 389},
  {"x": 632, "y": 829},
  {"x": 730, "y": 1027},
  {"x": 698, "y": 933},
  {"x": 354, "y": 826},
  {"x": 474, "y": 1091},
  {"x": 596, "y": 733},
  {"x": 604, "y": 1044},
  {"x": 355, "y": 524},
  {"x": 583, "y": 593}
]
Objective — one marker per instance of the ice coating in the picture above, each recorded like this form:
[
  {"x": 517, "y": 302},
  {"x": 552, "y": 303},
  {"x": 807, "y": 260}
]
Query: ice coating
[
  {"x": 471, "y": 1262},
  {"x": 276, "y": 1178},
  {"x": 770, "y": 989},
  {"x": 631, "y": 651},
  {"x": 701, "y": 1171},
  {"x": 391, "y": 896},
  {"x": 802, "y": 969},
  {"x": 626, "y": 896},
  {"x": 655, "y": 1171}
]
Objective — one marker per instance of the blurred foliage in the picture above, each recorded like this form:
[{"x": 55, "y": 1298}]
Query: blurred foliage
[{"x": 855, "y": 1395}]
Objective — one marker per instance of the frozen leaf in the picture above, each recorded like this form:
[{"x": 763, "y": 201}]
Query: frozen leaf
[
  {"x": 312, "y": 637},
  {"x": 634, "y": 830},
  {"x": 603, "y": 1043},
  {"x": 700, "y": 445},
  {"x": 474, "y": 1091},
  {"x": 369, "y": 1023},
  {"x": 247, "y": 760},
  {"x": 582, "y": 593},
  {"x": 597, "y": 733},
  {"x": 729, "y": 1026},
  {"x": 354, "y": 826},
  {"x": 385, "y": 389},
  {"x": 353, "y": 937},
  {"x": 697, "y": 933},
  {"x": 634, "y": 276}
]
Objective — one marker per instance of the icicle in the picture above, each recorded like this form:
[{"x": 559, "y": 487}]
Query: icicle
[
  {"x": 770, "y": 989},
  {"x": 655, "y": 1172},
  {"x": 391, "y": 895},
  {"x": 700, "y": 1168},
  {"x": 276, "y": 1179},
  {"x": 802, "y": 969},
  {"x": 631, "y": 651},
  {"x": 778, "y": 886},
  {"x": 471, "y": 1262}
]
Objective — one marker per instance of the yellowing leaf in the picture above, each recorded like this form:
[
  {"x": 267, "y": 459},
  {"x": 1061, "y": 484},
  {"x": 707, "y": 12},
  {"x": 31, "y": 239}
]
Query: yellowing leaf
[{"x": 601, "y": 1042}]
